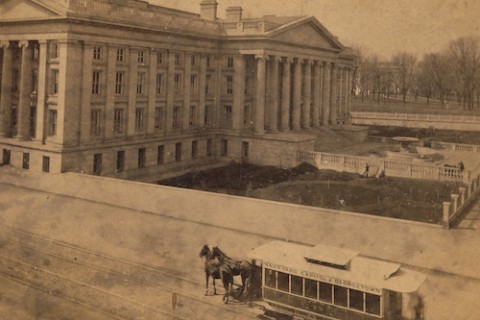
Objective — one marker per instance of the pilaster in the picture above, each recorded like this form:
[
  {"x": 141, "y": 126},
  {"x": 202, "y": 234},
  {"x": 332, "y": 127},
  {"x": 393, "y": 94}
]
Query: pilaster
[
  {"x": 41, "y": 128},
  {"x": 297, "y": 95},
  {"x": 326, "y": 93},
  {"x": 132, "y": 91},
  {"x": 24, "y": 103},
  {"x": 316, "y": 95},
  {"x": 307, "y": 95},
  {"x": 151, "y": 91},
  {"x": 6, "y": 96},
  {"x": 286, "y": 87},
  {"x": 110, "y": 91},
  {"x": 238, "y": 92},
  {"x": 273, "y": 105},
  {"x": 259, "y": 119}
]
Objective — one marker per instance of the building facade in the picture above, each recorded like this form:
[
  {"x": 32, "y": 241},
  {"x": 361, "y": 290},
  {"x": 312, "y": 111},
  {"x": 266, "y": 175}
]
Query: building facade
[{"x": 124, "y": 88}]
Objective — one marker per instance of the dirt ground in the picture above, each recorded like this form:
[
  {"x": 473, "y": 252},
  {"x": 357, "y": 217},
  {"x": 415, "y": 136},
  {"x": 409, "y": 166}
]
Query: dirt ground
[{"x": 389, "y": 197}]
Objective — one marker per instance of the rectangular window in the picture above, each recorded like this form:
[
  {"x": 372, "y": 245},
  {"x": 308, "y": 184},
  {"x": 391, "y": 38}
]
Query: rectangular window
[
  {"x": 247, "y": 85},
  {"x": 228, "y": 116},
  {"x": 191, "y": 116},
  {"x": 229, "y": 85},
  {"x": 158, "y": 118},
  {"x": 97, "y": 53},
  {"x": 96, "y": 82},
  {"x": 311, "y": 289},
  {"x": 193, "y": 60},
  {"x": 52, "y": 122},
  {"x": 193, "y": 84},
  {"x": 283, "y": 281},
  {"x": 95, "y": 121},
  {"x": 246, "y": 114},
  {"x": 296, "y": 285},
  {"x": 208, "y": 61},
  {"x": 139, "y": 119},
  {"x": 159, "y": 84},
  {"x": 97, "y": 164},
  {"x": 356, "y": 299},
  {"x": 325, "y": 292},
  {"x": 120, "y": 55},
  {"x": 120, "y": 161},
  {"x": 33, "y": 121},
  {"x": 229, "y": 62},
  {"x": 245, "y": 149},
  {"x": 53, "y": 50},
  {"x": 340, "y": 295},
  {"x": 206, "y": 115},
  {"x": 176, "y": 117},
  {"x": 118, "y": 120},
  {"x": 119, "y": 82},
  {"x": 46, "y": 164},
  {"x": 208, "y": 82},
  {"x": 224, "y": 150},
  {"x": 140, "y": 83},
  {"x": 178, "y": 151},
  {"x": 16, "y": 79},
  {"x": 141, "y": 157},
  {"x": 177, "y": 59},
  {"x": 194, "y": 149},
  {"x": 55, "y": 81},
  {"x": 6, "y": 157},
  {"x": 270, "y": 278},
  {"x": 177, "y": 84},
  {"x": 26, "y": 160},
  {"x": 209, "y": 147},
  {"x": 160, "y": 58},
  {"x": 161, "y": 154},
  {"x": 141, "y": 57},
  {"x": 372, "y": 304}
]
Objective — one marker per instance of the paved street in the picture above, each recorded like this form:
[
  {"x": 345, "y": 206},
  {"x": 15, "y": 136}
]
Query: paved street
[{"x": 63, "y": 256}]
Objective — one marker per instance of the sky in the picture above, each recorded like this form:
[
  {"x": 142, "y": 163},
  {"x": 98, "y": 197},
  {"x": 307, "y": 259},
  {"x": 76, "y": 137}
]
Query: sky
[{"x": 383, "y": 27}]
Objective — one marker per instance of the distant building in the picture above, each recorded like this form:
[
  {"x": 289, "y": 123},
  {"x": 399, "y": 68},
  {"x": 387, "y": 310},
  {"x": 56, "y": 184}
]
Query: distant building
[{"x": 124, "y": 88}]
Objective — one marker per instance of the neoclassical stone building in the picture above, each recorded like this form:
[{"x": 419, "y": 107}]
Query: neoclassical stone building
[{"x": 125, "y": 88}]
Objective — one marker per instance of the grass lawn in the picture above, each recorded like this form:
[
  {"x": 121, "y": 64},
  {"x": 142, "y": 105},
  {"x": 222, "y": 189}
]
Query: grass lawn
[{"x": 389, "y": 197}]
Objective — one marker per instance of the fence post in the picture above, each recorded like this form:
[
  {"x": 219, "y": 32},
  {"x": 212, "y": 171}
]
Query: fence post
[
  {"x": 463, "y": 196},
  {"x": 455, "y": 202},
  {"x": 446, "y": 215}
]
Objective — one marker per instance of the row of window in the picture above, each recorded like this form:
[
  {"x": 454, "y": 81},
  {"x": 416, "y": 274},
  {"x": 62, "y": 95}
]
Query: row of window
[
  {"x": 6, "y": 159},
  {"x": 324, "y": 292},
  {"x": 142, "y": 156}
]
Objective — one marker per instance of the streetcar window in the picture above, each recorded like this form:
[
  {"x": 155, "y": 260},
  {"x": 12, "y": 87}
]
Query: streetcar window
[
  {"x": 356, "y": 299},
  {"x": 372, "y": 303},
  {"x": 340, "y": 296},
  {"x": 269, "y": 278},
  {"x": 296, "y": 285},
  {"x": 283, "y": 281},
  {"x": 325, "y": 292},
  {"x": 311, "y": 289}
]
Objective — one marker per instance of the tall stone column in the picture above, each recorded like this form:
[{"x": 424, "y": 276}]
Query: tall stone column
[
  {"x": 307, "y": 95},
  {"x": 259, "y": 119},
  {"x": 201, "y": 94},
  {"x": 25, "y": 91},
  {"x": 340, "y": 89},
  {"x": 152, "y": 91},
  {"x": 170, "y": 92},
  {"x": 316, "y": 95},
  {"x": 41, "y": 116},
  {"x": 297, "y": 95},
  {"x": 274, "y": 98},
  {"x": 132, "y": 91},
  {"x": 186, "y": 93},
  {"x": 238, "y": 92},
  {"x": 86, "y": 92},
  {"x": 326, "y": 93},
  {"x": 349, "y": 91},
  {"x": 110, "y": 91},
  {"x": 333, "y": 95},
  {"x": 6, "y": 93},
  {"x": 285, "y": 109}
]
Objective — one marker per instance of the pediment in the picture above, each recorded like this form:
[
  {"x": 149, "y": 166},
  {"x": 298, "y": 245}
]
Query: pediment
[
  {"x": 308, "y": 32},
  {"x": 21, "y": 10}
]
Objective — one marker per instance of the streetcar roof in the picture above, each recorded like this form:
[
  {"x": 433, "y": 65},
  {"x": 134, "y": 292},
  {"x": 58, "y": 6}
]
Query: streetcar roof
[
  {"x": 290, "y": 258},
  {"x": 330, "y": 255}
]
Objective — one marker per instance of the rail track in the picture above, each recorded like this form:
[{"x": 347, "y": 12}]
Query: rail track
[{"x": 107, "y": 287}]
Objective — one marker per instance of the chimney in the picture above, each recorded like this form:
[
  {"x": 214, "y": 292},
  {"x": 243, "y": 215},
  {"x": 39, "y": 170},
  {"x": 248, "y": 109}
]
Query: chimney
[
  {"x": 208, "y": 10},
  {"x": 234, "y": 14}
]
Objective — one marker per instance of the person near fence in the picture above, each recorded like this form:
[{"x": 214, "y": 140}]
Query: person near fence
[
  {"x": 367, "y": 168},
  {"x": 461, "y": 166}
]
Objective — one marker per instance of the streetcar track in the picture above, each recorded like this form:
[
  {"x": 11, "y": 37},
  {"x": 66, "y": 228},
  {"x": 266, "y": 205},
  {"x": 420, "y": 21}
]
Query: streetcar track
[{"x": 123, "y": 262}]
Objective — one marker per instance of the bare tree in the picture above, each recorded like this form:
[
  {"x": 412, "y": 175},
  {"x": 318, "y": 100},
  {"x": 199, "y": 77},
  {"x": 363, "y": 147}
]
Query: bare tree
[
  {"x": 465, "y": 55},
  {"x": 435, "y": 75},
  {"x": 405, "y": 64}
]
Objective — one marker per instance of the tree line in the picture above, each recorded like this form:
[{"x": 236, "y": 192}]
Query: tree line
[{"x": 451, "y": 75}]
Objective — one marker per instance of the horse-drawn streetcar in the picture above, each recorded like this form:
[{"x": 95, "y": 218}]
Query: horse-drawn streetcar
[{"x": 320, "y": 282}]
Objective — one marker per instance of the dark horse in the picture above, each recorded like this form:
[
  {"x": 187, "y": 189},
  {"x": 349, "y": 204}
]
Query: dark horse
[
  {"x": 216, "y": 270},
  {"x": 244, "y": 269}
]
